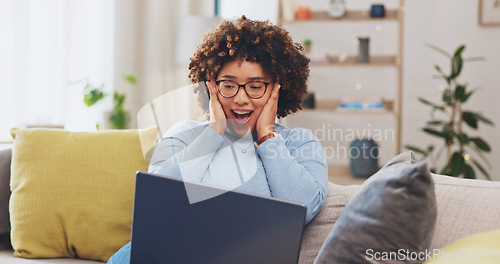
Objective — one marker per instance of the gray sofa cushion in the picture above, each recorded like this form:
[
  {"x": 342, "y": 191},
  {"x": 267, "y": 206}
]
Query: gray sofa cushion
[
  {"x": 5, "y": 158},
  {"x": 394, "y": 209},
  {"x": 317, "y": 230},
  {"x": 465, "y": 207}
]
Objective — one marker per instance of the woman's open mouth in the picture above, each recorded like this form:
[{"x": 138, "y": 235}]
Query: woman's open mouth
[{"x": 241, "y": 116}]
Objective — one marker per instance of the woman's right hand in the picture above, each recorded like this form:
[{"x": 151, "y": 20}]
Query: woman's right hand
[{"x": 218, "y": 120}]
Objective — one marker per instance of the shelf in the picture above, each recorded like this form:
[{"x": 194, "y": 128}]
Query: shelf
[
  {"x": 331, "y": 107},
  {"x": 323, "y": 64},
  {"x": 351, "y": 61},
  {"x": 340, "y": 174},
  {"x": 350, "y": 16}
]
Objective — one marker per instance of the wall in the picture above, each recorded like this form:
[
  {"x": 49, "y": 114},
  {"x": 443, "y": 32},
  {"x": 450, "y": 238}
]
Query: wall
[{"x": 447, "y": 24}]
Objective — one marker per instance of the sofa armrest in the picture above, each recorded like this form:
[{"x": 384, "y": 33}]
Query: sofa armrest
[{"x": 465, "y": 207}]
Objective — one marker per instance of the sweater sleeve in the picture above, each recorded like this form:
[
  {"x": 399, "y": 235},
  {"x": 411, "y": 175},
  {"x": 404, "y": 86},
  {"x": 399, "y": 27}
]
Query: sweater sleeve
[
  {"x": 296, "y": 169},
  {"x": 185, "y": 152}
]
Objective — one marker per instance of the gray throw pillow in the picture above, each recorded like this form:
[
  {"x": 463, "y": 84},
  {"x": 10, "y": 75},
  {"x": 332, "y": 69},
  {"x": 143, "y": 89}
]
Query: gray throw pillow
[
  {"x": 5, "y": 158},
  {"x": 390, "y": 219}
]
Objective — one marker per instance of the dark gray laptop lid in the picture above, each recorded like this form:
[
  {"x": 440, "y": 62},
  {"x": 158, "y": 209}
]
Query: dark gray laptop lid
[{"x": 233, "y": 227}]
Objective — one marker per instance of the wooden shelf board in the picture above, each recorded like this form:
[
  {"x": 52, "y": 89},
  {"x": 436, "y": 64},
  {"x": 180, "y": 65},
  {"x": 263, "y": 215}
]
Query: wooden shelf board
[
  {"x": 350, "y": 16},
  {"x": 340, "y": 174},
  {"x": 351, "y": 61},
  {"x": 331, "y": 107}
]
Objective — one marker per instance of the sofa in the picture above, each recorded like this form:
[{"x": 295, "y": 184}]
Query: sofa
[{"x": 464, "y": 206}]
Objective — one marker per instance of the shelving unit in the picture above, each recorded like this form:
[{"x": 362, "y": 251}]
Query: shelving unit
[
  {"x": 335, "y": 62},
  {"x": 351, "y": 61},
  {"x": 350, "y": 16},
  {"x": 331, "y": 107}
]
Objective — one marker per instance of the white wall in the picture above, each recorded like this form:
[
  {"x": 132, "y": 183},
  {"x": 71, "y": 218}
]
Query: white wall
[{"x": 447, "y": 24}]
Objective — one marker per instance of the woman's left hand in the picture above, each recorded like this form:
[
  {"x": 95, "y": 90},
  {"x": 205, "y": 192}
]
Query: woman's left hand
[{"x": 265, "y": 123}]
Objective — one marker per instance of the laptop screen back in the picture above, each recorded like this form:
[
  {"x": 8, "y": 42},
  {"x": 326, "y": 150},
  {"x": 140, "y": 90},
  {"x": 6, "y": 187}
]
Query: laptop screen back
[{"x": 233, "y": 227}]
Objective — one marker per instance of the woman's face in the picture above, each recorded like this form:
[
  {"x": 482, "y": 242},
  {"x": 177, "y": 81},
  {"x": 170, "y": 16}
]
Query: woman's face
[{"x": 242, "y": 111}]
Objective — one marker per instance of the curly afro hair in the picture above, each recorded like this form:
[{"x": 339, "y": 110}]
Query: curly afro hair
[{"x": 256, "y": 41}]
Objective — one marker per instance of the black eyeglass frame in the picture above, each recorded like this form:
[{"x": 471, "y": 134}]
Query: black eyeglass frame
[{"x": 244, "y": 88}]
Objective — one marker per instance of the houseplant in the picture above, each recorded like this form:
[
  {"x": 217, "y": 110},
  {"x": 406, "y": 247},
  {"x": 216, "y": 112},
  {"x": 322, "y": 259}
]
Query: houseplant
[
  {"x": 454, "y": 121},
  {"x": 118, "y": 117}
]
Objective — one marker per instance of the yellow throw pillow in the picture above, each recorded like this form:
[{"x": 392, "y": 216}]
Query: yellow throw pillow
[
  {"x": 481, "y": 248},
  {"x": 73, "y": 192}
]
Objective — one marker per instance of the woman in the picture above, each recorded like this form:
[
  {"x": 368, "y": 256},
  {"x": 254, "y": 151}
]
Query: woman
[{"x": 253, "y": 73}]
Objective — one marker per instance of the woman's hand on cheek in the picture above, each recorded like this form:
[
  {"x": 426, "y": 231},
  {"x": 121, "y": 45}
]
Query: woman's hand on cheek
[
  {"x": 265, "y": 123},
  {"x": 217, "y": 117}
]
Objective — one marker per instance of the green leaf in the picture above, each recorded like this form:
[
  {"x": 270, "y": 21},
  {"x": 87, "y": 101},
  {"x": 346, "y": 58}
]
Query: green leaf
[
  {"x": 416, "y": 149},
  {"x": 466, "y": 96},
  {"x": 484, "y": 119},
  {"x": 446, "y": 170},
  {"x": 441, "y": 108},
  {"x": 430, "y": 148},
  {"x": 119, "y": 119},
  {"x": 469, "y": 172},
  {"x": 93, "y": 96},
  {"x": 118, "y": 100},
  {"x": 458, "y": 51},
  {"x": 427, "y": 102},
  {"x": 434, "y": 132},
  {"x": 435, "y": 123},
  {"x": 447, "y": 96},
  {"x": 480, "y": 154},
  {"x": 459, "y": 92},
  {"x": 130, "y": 78},
  {"x": 483, "y": 171},
  {"x": 481, "y": 144},
  {"x": 470, "y": 119},
  {"x": 442, "y": 77},
  {"x": 462, "y": 138},
  {"x": 456, "y": 67},
  {"x": 438, "y": 49},
  {"x": 457, "y": 164},
  {"x": 457, "y": 62}
]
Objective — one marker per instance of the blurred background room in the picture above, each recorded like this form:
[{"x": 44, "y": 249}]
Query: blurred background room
[{"x": 371, "y": 61}]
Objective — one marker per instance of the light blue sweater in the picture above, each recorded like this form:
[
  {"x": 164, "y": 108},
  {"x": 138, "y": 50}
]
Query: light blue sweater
[{"x": 291, "y": 167}]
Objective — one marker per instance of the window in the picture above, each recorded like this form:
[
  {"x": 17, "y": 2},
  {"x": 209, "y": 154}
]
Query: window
[{"x": 46, "y": 45}]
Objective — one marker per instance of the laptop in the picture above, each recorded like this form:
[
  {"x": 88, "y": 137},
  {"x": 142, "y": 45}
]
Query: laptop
[{"x": 233, "y": 227}]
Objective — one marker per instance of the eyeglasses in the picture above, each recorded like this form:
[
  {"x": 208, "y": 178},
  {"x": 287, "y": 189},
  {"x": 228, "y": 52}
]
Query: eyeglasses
[{"x": 253, "y": 89}]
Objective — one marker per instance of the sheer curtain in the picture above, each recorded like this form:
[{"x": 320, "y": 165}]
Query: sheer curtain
[
  {"x": 46, "y": 46},
  {"x": 145, "y": 45}
]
